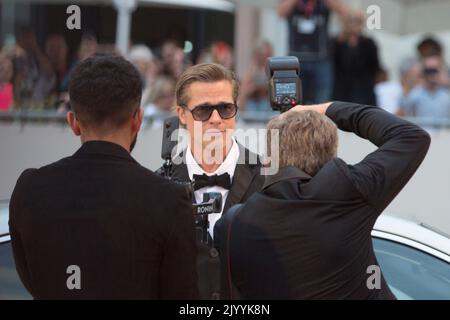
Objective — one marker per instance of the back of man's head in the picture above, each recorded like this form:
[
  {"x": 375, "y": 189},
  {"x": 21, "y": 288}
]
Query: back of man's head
[
  {"x": 307, "y": 140},
  {"x": 105, "y": 91}
]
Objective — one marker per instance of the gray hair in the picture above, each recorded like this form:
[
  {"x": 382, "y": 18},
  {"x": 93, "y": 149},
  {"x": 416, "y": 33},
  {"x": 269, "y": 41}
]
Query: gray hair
[{"x": 140, "y": 52}]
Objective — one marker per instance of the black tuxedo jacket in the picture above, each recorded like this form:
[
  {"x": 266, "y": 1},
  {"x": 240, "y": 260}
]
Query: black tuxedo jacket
[
  {"x": 247, "y": 180},
  {"x": 127, "y": 229},
  {"x": 305, "y": 237}
]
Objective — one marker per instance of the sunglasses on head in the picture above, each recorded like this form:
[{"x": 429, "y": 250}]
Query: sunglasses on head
[{"x": 204, "y": 112}]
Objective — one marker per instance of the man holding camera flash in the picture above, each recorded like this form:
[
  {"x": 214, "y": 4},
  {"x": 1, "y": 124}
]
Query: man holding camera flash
[{"x": 307, "y": 233}]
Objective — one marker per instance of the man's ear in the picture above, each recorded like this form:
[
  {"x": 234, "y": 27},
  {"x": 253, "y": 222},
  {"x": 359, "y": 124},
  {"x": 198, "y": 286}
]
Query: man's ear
[
  {"x": 73, "y": 123},
  {"x": 138, "y": 118},
  {"x": 181, "y": 115}
]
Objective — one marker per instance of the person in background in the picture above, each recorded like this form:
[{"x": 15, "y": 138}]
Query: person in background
[
  {"x": 410, "y": 75},
  {"x": 217, "y": 52},
  {"x": 87, "y": 48},
  {"x": 175, "y": 61},
  {"x": 388, "y": 92},
  {"x": 143, "y": 59},
  {"x": 428, "y": 47},
  {"x": 309, "y": 40},
  {"x": 254, "y": 90},
  {"x": 34, "y": 77},
  {"x": 222, "y": 53},
  {"x": 57, "y": 52},
  {"x": 431, "y": 98},
  {"x": 161, "y": 100},
  {"x": 6, "y": 87},
  {"x": 355, "y": 62}
]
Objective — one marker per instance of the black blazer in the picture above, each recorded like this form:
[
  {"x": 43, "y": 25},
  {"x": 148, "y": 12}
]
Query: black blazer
[
  {"x": 126, "y": 228},
  {"x": 246, "y": 181},
  {"x": 306, "y": 237}
]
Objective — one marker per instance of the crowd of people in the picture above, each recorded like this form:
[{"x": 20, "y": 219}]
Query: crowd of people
[
  {"x": 34, "y": 77},
  {"x": 126, "y": 230}
]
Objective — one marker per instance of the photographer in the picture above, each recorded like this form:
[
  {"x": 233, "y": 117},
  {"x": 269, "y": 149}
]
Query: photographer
[
  {"x": 431, "y": 98},
  {"x": 206, "y": 97},
  {"x": 97, "y": 225},
  {"x": 307, "y": 234},
  {"x": 309, "y": 41}
]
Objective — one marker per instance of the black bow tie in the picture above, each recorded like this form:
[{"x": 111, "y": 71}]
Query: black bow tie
[{"x": 201, "y": 181}]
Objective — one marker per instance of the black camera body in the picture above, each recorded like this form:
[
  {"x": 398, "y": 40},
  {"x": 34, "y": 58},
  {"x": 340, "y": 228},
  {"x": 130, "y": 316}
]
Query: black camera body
[{"x": 285, "y": 86}]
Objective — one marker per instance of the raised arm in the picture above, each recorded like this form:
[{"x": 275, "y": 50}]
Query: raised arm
[{"x": 402, "y": 146}]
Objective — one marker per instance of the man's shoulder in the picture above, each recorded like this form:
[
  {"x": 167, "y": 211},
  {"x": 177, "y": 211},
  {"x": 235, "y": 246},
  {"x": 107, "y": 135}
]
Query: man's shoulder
[
  {"x": 334, "y": 181},
  {"x": 31, "y": 174},
  {"x": 26, "y": 177}
]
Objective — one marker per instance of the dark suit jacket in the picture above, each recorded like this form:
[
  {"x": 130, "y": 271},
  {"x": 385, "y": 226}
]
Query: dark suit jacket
[
  {"x": 306, "y": 237},
  {"x": 127, "y": 229},
  {"x": 246, "y": 181}
]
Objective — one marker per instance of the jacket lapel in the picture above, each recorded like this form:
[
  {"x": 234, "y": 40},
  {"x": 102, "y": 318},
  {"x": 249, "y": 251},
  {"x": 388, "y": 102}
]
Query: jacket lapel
[
  {"x": 247, "y": 168},
  {"x": 243, "y": 177}
]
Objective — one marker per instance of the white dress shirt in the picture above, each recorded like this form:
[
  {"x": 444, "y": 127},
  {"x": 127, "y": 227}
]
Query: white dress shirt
[{"x": 227, "y": 166}]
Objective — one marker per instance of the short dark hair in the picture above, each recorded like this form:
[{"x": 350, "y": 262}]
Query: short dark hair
[
  {"x": 431, "y": 45},
  {"x": 205, "y": 72},
  {"x": 105, "y": 89}
]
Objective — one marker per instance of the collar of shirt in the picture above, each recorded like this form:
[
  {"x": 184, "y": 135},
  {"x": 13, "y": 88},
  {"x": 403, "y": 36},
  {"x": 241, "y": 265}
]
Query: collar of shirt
[{"x": 227, "y": 166}]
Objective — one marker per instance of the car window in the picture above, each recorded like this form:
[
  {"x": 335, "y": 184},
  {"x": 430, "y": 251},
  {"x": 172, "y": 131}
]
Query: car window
[
  {"x": 10, "y": 285},
  {"x": 412, "y": 273}
]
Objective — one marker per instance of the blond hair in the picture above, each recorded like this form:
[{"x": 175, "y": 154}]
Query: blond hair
[{"x": 307, "y": 140}]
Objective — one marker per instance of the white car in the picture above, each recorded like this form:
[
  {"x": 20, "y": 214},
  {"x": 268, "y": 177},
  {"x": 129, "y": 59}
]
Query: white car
[{"x": 414, "y": 259}]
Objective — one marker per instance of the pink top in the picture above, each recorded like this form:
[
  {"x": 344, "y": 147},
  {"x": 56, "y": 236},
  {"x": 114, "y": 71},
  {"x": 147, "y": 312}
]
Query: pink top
[{"x": 6, "y": 96}]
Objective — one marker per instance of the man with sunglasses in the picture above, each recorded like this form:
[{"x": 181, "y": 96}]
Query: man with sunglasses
[{"x": 206, "y": 97}]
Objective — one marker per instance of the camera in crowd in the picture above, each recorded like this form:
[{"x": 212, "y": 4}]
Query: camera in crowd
[{"x": 285, "y": 86}]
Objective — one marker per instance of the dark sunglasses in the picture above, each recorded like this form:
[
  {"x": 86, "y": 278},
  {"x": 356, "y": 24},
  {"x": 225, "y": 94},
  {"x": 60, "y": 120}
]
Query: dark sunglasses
[{"x": 204, "y": 112}]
